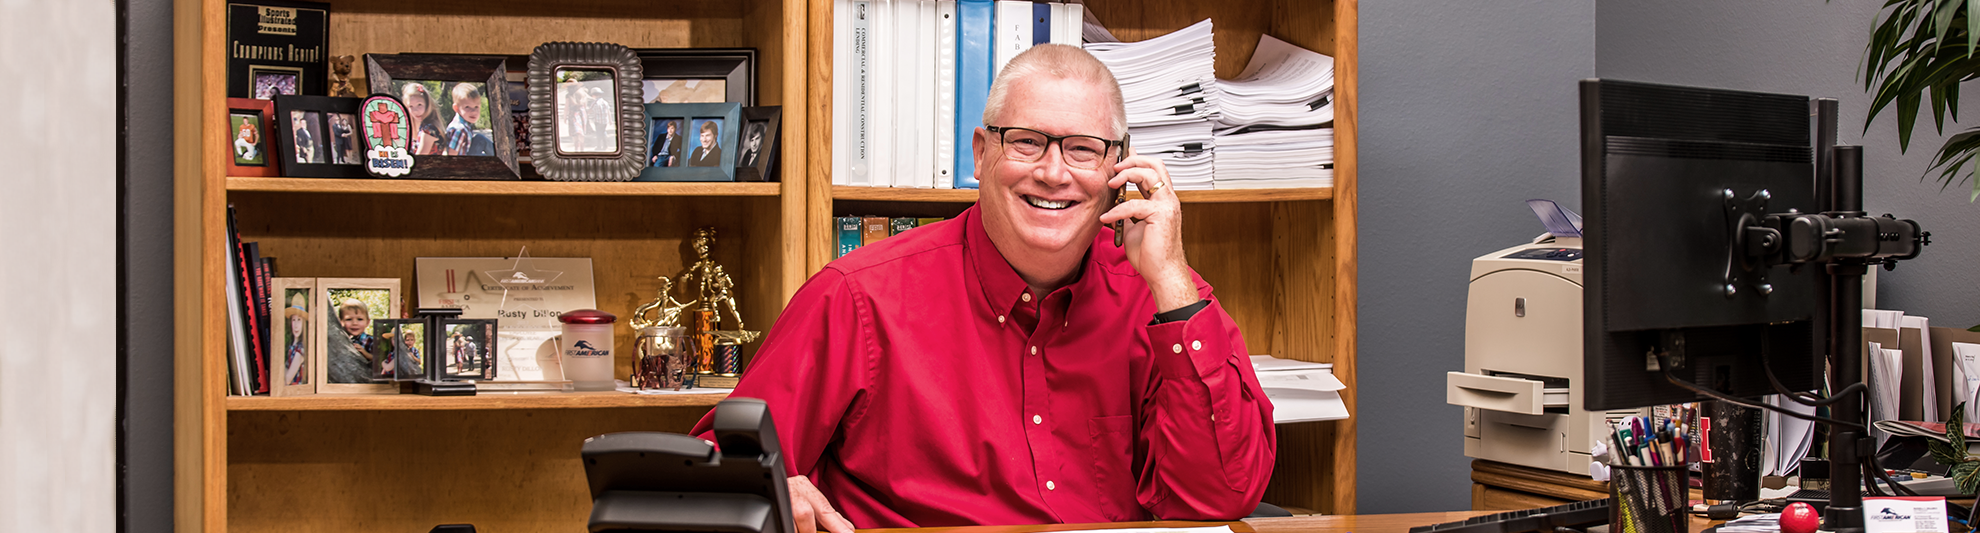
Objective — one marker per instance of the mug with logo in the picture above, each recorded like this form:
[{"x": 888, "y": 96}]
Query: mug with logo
[{"x": 586, "y": 349}]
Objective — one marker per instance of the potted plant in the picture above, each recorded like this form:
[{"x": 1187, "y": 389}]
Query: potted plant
[{"x": 1919, "y": 52}]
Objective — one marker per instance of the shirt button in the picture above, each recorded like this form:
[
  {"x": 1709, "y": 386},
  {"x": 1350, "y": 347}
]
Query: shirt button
[
  {"x": 1050, "y": 486},
  {"x": 1035, "y": 419},
  {"x": 1025, "y": 297},
  {"x": 1195, "y": 345},
  {"x": 1034, "y": 350},
  {"x": 1000, "y": 319},
  {"x": 1178, "y": 348}
]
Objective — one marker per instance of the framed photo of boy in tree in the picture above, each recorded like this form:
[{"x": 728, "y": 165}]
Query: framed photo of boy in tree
[
  {"x": 582, "y": 97},
  {"x": 345, "y": 311},
  {"x": 458, "y": 130},
  {"x": 247, "y": 119}
]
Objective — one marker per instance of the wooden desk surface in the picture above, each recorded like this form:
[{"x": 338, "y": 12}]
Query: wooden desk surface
[{"x": 1373, "y": 523}]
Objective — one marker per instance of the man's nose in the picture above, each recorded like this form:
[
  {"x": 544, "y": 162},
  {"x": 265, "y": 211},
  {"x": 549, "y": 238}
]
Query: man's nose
[{"x": 1052, "y": 168}]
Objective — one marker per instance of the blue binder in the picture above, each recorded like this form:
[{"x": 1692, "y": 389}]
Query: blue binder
[
  {"x": 974, "y": 21},
  {"x": 1041, "y": 24}
]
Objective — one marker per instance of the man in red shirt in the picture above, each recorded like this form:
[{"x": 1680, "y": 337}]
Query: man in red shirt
[{"x": 1013, "y": 365}]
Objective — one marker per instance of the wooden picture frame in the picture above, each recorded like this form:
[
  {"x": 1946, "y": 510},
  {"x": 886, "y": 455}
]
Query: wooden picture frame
[
  {"x": 734, "y": 68},
  {"x": 677, "y": 147},
  {"x": 319, "y": 137},
  {"x": 251, "y": 115},
  {"x": 330, "y": 293},
  {"x": 585, "y": 111},
  {"x": 463, "y": 92},
  {"x": 758, "y": 143},
  {"x": 292, "y": 349}
]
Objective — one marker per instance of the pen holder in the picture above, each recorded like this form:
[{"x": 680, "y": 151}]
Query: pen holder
[{"x": 1648, "y": 499}]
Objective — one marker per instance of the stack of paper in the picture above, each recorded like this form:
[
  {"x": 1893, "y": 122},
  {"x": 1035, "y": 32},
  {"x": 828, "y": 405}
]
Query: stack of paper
[
  {"x": 1300, "y": 391},
  {"x": 1276, "y": 120},
  {"x": 1886, "y": 371},
  {"x": 1169, "y": 84},
  {"x": 1250, "y": 157}
]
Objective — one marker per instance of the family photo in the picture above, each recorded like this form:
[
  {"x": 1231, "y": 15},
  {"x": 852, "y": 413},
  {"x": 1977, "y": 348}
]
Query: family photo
[
  {"x": 447, "y": 118},
  {"x": 587, "y": 111}
]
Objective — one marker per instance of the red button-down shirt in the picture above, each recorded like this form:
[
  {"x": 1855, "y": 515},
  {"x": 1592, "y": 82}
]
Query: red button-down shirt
[{"x": 918, "y": 382}]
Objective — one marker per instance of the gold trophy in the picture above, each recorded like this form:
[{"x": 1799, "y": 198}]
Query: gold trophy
[{"x": 716, "y": 352}]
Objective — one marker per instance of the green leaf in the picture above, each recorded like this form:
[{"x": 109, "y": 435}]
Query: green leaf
[
  {"x": 1966, "y": 476},
  {"x": 1956, "y": 430},
  {"x": 1943, "y": 453}
]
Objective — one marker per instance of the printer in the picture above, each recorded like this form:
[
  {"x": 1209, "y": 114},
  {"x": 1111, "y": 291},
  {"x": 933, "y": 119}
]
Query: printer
[{"x": 1521, "y": 385}]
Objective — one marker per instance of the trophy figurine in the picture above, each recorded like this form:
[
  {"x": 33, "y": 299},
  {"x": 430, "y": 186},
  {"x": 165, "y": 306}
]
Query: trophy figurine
[{"x": 714, "y": 290}]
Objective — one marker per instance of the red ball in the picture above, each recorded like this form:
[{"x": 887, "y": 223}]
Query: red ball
[{"x": 1799, "y": 517}]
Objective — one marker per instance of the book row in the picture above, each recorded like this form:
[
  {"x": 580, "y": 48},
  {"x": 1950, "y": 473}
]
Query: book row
[{"x": 854, "y": 232}]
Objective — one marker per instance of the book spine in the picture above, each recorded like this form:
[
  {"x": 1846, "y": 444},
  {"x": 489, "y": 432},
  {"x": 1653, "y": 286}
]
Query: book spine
[
  {"x": 849, "y": 235},
  {"x": 885, "y": 104},
  {"x": 897, "y": 225},
  {"x": 843, "y": 107},
  {"x": 859, "y": 118},
  {"x": 872, "y": 230},
  {"x": 919, "y": 222},
  {"x": 945, "y": 94},
  {"x": 257, "y": 272},
  {"x": 923, "y": 171},
  {"x": 1013, "y": 34},
  {"x": 1041, "y": 23},
  {"x": 258, "y": 359},
  {"x": 975, "y": 19},
  {"x": 237, "y": 321}
]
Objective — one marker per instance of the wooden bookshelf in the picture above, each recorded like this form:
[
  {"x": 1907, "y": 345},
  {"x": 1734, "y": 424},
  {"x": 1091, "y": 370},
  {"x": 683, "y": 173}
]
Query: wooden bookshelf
[{"x": 1282, "y": 260}]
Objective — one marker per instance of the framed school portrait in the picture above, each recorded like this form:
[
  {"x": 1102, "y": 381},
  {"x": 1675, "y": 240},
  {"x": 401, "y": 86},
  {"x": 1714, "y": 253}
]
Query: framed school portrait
[
  {"x": 762, "y": 128},
  {"x": 247, "y": 123},
  {"x": 457, "y": 107},
  {"x": 292, "y": 338},
  {"x": 692, "y": 142},
  {"x": 345, "y": 311}
]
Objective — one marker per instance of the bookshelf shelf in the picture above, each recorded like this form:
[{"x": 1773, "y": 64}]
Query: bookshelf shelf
[
  {"x": 888, "y": 194},
  {"x": 500, "y": 188},
  {"x": 484, "y": 401}
]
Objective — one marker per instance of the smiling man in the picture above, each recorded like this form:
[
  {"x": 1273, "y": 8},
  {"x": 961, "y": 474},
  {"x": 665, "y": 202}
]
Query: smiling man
[{"x": 1013, "y": 365}]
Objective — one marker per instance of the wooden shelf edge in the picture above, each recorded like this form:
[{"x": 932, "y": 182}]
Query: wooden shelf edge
[
  {"x": 502, "y": 188},
  {"x": 487, "y": 401},
  {"x": 889, "y": 194}
]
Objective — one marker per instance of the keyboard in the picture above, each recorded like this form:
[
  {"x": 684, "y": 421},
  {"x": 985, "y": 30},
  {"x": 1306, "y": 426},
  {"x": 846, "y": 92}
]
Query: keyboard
[{"x": 1578, "y": 515}]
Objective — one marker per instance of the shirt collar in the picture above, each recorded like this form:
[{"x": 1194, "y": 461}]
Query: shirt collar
[{"x": 999, "y": 283}]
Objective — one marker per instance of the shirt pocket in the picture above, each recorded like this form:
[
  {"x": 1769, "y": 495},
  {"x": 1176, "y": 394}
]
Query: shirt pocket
[{"x": 1112, "y": 453}]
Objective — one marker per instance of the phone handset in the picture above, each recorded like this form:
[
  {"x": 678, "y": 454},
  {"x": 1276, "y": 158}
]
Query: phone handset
[{"x": 1120, "y": 195}]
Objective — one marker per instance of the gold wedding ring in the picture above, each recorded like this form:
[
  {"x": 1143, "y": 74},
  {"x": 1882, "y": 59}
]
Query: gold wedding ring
[{"x": 1156, "y": 186}]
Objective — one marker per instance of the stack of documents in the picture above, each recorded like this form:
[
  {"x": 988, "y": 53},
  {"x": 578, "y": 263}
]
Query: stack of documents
[
  {"x": 1300, "y": 391},
  {"x": 1262, "y": 156},
  {"x": 1170, "y": 87},
  {"x": 1276, "y": 120}
]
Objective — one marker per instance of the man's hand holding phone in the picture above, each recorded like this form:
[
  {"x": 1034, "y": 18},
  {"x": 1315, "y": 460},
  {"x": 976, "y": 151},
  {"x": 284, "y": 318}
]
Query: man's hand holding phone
[{"x": 1153, "y": 232}]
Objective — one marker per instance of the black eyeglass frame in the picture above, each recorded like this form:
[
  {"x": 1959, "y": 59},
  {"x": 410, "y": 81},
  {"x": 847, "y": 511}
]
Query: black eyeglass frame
[{"x": 1118, "y": 146}]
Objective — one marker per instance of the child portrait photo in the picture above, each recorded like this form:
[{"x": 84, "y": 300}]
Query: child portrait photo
[
  {"x": 347, "y": 309},
  {"x": 248, "y": 150},
  {"x": 448, "y": 118}
]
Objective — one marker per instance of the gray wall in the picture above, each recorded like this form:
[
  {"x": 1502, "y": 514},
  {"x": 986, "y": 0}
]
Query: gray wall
[
  {"x": 145, "y": 270},
  {"x": 1467, "y": 109}
]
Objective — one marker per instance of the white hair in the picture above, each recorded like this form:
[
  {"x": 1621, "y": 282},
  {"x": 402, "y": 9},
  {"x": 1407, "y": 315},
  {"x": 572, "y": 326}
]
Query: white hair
[{"x": 1059, "y": 62}]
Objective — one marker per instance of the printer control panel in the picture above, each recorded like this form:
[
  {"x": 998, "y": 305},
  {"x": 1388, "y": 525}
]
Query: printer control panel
[{"x": 1546, "y": 254}]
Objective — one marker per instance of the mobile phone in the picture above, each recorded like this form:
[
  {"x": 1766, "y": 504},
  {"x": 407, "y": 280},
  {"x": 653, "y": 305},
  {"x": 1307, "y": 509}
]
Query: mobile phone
[{"x": 1120, "y": 195}]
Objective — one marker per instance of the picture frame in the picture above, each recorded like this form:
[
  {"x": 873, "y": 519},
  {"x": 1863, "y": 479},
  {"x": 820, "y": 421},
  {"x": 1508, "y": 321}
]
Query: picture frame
[
  {"x": 464, "y": 349},
  {"x": 584, "y": 107},
  {"x": 759, "y": 143},
  {"x": 671, "y": 71},
  {"x": 400, "y": 351},
  {"x": 318, "y": 136},
  {"x": 677, "y": 142},
  {"x": 347, "y": 368},
  {"x": 464, "y": 132},
  {"x": 252, "y": 154},
  {"x": 292, "y": 337}
]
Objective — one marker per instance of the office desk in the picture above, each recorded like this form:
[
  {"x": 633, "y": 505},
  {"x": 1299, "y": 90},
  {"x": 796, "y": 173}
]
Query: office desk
[{"x": 1373, "y": 523}]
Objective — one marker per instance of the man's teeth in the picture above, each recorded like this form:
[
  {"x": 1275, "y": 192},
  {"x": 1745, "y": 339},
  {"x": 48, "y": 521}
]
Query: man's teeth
[{"x": 1048, "y": 204}]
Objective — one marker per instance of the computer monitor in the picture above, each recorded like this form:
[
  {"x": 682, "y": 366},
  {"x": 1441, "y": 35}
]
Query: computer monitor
[{"x": 1667, "y": 174}]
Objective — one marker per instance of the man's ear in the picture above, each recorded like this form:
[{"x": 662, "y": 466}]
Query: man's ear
[{"x": 978, "y": 143}]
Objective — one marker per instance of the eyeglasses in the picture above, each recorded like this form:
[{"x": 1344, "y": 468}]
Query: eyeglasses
[{"x": 1024, "y": 145}]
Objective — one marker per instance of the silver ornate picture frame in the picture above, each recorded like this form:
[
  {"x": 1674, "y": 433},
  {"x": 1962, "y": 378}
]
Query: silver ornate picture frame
[{"x": 585, "y": 116}]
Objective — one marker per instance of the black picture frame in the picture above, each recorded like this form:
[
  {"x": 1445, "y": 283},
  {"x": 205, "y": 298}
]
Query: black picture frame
[
  {"x": 688, "y": 120},
  {"x": 584, "y": 112},
  {"x": 450, "y": 72},
  {"x": 478, "y": 337},
  {"x": 735, "y": 67},
  {"x": 308, "y": 141},
  {"x": 759, "y": 164},
  {"x": 391, "y": 345}
]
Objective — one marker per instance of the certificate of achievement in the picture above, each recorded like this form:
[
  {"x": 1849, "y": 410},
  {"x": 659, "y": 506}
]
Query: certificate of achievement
[{"x": 524, "y": 294}]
